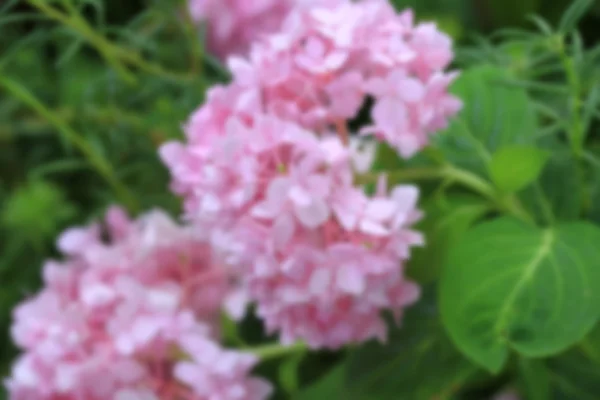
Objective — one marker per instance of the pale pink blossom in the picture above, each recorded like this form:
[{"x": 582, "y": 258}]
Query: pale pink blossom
[
  {"x": 268, "y": 161},
  {"x": 328, "y": 283},
  {"x": 233, "y": 25},
  {"x": 119, "y": 316},
  {"x": 325, "y": 62},
  {"x": 319, "y": 258}
]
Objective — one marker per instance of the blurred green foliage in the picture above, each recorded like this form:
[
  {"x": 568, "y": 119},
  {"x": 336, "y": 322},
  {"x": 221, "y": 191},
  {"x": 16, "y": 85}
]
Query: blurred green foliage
[
  {"x": 90, "y": 88},
  {"x": 35, "y": 211}
]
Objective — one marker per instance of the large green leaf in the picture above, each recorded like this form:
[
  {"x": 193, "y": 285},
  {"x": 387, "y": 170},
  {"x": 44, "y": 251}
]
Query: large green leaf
[
  {"x": 509, "y": 285},
  {"x": 447, "y": 218},
  {"x": 418, "y": 361},
  {"x": 560, "y": 187},
  {"x": 494, "y": 115},
  {"x": 562, "y": 182}
]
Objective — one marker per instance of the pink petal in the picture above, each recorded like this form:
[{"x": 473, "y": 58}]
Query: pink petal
[
  {"x": 300, "y": 197},
  {"x": 389, "y": 114},
  {"x": 319, "y": 281},
  {"x": 410, "y": 90},
  {"x": 373, "y": 228},
  {"x": 236, "y": 303},
  {"x": 350, "y": 279},
  {"x": 314, "y": 215},
  {"x": 381, "y": 209}
]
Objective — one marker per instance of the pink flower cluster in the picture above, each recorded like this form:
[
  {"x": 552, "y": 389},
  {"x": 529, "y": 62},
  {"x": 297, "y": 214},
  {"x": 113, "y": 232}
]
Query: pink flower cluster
[
  {"x": 233, "y": 25},
  {"x": 131, "y": 317},
  {"x": 326, "y": 62},
  {"x": 319, "y": 257},
  {"x": 269, "y": 168}
]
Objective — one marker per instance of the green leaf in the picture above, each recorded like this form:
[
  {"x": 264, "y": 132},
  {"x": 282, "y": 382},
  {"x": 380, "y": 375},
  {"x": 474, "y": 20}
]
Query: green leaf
[
  {"x": 495, "y": 115},
  {"x": 446, "y": 220},
  {"x": 574, "y": 14},
  {"x": 417, "y": 362},
  {"x": 64, "y": 165},
  {"x": 542, "y": 25},
  {"x": 561, "y": 185},
  {"x": 289, "y": 371},
  {"x": 331, "y": 386},
  {"x": 576, "y": 373},
  {"x": 591, "y": 103},
  {"x": 514, "y": 167},
  {"x": 387, "y": 159},
  {"x": 508, "y": 285},
  {"x": 448, "y": 23},
  {"x": 230, "y": 331},
  {"x": 36, "y": 211},
  {"x": 535, "y": 379}
]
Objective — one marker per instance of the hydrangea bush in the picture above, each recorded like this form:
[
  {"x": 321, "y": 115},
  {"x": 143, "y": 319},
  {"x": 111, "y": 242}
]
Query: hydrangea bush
[{"x": 356, "y": 204}]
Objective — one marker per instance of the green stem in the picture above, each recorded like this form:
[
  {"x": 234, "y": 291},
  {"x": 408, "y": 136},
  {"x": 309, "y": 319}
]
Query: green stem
[
  {"x": 472, "y": 181},
  {"x": 276, "y": 350},
  {"x": 79, "y": 25},
  {"x": 509, "y": 204},
  {"x": 138, "y": 61},
  {"x": 95, "y": 159},
  {"x": 576, "y": 130},
  {"x": 453, "y": 174},
  {"x": 191, "y": 31},
  {"x": 408, "y": 174},
  {"x": 113, "y": 54},
  {"x": 110, "y": 115}
]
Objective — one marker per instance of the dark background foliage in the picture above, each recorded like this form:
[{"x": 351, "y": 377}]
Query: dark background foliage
[{"x": 82, "y": 112}]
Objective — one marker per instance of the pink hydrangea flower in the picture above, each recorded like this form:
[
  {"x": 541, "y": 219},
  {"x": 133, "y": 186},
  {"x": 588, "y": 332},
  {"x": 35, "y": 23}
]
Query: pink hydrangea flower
[
  {"x": 131, "y": 317},
  {"x": 319, "y": 258},
  {"x": 325, "y": 62},
  {"x": 233, "y": 25},
  {"x": 223, "y": 172},
  {"x": 327, "y": 282},
  {"x": 269, "y": 166}
]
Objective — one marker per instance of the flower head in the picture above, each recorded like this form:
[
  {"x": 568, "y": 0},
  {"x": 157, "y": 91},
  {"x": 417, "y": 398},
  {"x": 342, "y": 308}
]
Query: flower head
[
  {"x": 327, "y": 282},
  {"x": 118, "y": 318},
  {"x": 325, "y": 62},
  {"x": 319, "y": 257},
  {"x": 233, "y": 25}
]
